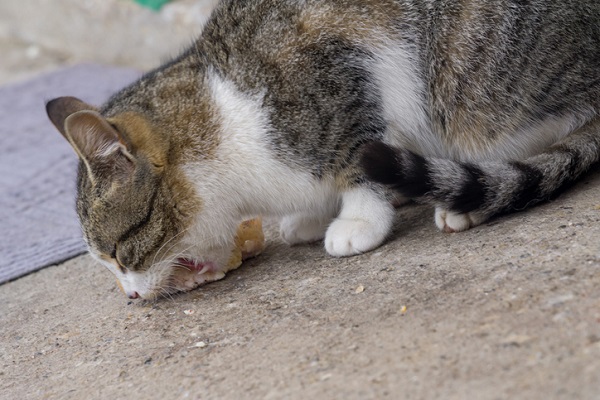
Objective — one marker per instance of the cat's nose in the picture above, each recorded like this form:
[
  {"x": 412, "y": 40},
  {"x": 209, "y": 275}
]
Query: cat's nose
[{"x": 133, "y": 295}]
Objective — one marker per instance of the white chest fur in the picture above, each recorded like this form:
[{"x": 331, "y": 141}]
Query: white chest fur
[{"x": 244, "y": 178}]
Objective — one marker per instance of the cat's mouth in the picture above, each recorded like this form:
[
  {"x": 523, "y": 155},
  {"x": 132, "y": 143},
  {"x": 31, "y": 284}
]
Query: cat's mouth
[
  {"x": 188, "y": 274},
  {"x": 198, "y": 267}
]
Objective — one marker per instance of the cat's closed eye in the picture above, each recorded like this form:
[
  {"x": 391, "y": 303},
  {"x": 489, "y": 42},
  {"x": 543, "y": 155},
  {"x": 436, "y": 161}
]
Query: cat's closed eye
[{"x": 121, "y": 265}]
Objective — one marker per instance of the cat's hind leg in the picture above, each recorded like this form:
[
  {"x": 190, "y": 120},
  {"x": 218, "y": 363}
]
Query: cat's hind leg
[
  {"x": 364, "y": 222},
  {"x": 450, "y": 222}
]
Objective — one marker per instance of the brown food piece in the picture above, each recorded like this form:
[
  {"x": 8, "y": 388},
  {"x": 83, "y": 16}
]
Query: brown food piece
[{"x": 249, "y": 242}]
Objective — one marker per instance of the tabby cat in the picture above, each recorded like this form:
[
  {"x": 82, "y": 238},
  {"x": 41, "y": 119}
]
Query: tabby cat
[{"x": 286, "y": 107}]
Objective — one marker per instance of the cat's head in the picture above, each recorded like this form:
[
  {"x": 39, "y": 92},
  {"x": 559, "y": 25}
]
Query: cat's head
[{"x": 138, "y": 211}]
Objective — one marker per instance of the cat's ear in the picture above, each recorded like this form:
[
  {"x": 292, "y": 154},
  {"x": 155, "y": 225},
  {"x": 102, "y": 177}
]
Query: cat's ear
[
  {"x": 60, "y": 108},
  {"x": 97, "y": 143}
]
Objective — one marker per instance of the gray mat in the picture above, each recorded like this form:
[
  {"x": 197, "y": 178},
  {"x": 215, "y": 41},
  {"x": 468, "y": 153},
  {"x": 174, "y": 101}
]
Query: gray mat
[{"x": 38, "y": 224}]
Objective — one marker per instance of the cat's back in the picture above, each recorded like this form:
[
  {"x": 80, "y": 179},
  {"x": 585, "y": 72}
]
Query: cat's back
[
  {"x": 506, "y": 74},
  {"x": 462, "y": 74},
  {"x": 279, "y": 29}
]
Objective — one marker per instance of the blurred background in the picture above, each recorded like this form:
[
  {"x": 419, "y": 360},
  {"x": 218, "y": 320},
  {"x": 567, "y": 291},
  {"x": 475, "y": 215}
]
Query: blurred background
[{"x": 41, "y": 35}]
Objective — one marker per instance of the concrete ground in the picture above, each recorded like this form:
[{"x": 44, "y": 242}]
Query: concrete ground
[{"x": 508, "y": 310}]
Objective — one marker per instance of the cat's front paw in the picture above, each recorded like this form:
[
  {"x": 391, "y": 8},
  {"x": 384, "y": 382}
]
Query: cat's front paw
[
  {"x": 296, "y": 229},
  {"x": 347, "y": 237},
  {"x": 450, "y": 222}
]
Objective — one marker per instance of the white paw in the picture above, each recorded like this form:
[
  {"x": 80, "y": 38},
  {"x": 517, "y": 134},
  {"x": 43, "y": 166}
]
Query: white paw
[
  {"x": 297, "y": 229},
  {"x": 450, "y": 222},
  {"x": 347, "y": 237}
]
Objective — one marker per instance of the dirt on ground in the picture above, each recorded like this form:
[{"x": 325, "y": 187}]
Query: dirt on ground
[{"x": 508, "y": 310}]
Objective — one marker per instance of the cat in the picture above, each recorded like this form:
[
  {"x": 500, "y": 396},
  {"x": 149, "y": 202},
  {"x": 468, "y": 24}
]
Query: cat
[{"x": 322, "y": 112}]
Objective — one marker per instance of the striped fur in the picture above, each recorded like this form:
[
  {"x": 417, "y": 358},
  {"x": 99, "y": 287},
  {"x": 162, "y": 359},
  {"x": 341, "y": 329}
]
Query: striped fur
[{"x": 485, "y": 188}]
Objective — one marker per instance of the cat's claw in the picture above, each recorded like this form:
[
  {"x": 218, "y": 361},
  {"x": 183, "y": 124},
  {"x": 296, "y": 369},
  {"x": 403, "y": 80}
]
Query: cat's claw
[
  {"x": 347, "y": 237},
  {"x": 299, "y": 229},
  {"x": 451, "y": 222}
]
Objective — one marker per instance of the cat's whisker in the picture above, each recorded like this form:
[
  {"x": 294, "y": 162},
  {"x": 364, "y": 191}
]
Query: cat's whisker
[
  {"x": 166, "y": 294},
  {"x": 182, "y": 267},
  {"x": 182, "y": 252},
  {"x": 167, "y": 242},
  {"x": 206, "y": 239}
]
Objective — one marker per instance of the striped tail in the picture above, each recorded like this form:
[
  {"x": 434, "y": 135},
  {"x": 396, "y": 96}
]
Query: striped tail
[{"x": 484, "y": 188}]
